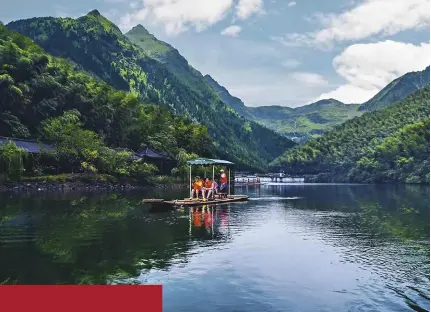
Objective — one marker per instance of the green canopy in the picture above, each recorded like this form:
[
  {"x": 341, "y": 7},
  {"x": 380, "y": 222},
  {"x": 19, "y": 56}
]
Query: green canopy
[{"x": 209, "y": 161}]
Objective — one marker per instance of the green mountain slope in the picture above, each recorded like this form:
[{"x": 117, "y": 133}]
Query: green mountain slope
[
  {"x": 171, "y": 58},
  {"x": 397, "y": 90},
  {"x": 99, "y": 47},
  {"x": 34, "y": 86},
  {"x": 305, "y": 122},
  {"x": 389, "y": 145}
]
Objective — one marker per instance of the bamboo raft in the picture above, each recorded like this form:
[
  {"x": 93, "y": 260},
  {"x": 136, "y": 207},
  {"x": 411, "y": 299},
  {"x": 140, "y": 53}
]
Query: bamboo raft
[{"x": 196, "y": 202}]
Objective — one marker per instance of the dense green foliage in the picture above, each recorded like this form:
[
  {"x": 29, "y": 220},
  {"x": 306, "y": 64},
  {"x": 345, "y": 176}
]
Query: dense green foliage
[
  {"x": 99, "y": 47},
  {"x": 398, "y": 90},
  {"x": 35, "y": 86},
  {"x": 390, "y": 145}
]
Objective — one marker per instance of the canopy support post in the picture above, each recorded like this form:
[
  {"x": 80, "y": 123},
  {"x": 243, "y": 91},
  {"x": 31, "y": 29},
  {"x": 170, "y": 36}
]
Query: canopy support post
[
  {"x": 190, "y": 181},
  {"x": 213, "y": 172},
  {"x": 228, "y": 183}
]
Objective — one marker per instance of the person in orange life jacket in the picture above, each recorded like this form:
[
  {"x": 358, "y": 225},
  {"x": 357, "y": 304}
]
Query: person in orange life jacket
[
  {"x": 208, "y": 186},
  {"x": 197, "y": 187},
  {"x": 223, "y": 180}
]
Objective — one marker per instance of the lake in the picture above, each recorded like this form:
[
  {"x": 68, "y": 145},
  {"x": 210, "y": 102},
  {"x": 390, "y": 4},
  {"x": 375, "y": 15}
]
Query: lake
[{"x": 304, "y": 247}]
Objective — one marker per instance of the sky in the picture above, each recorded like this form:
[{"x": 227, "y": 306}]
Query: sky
[{"x": 274, "y": 52}]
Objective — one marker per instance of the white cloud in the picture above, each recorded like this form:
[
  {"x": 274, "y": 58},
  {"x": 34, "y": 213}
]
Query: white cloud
[
  {"x": 178, "y": 15},
  {"x": 246, "y": 8},
  {"x": 368, "y": 68},
  {"x": 290, "y": 63},
  {"x": 310, "y": 79},
  {"x": 369, "y": 18},
  {"x": 231, "y": 31},
  {"x": 291, "y": 4}
]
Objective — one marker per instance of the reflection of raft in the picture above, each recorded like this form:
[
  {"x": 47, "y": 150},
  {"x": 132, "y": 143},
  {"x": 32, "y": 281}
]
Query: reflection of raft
[{"x": 197, "y": 202}]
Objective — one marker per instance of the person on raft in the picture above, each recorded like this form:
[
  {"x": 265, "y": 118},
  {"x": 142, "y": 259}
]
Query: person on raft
[
  {"x": 208, "y": 186},
  {"x": 197, "y": 187},
  {"x": 223, "y": 181}
]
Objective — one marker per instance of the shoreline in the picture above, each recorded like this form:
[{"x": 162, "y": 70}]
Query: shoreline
[{"x": 95, "y": 186}]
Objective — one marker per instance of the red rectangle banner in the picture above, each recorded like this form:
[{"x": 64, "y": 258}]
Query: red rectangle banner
[{"x": 77, "y": 298}]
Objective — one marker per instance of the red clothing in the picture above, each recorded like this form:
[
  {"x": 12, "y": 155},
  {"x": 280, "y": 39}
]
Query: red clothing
[
  {"x": 223, "y": 178},
  {"x": 197, "y": 219}
]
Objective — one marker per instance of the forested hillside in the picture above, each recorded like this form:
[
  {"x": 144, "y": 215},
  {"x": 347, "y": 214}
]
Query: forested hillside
[
  {"x": 44, "y": 97},
  {"x": 99, "y": 47},
  {"x": 390, "y": 145}
]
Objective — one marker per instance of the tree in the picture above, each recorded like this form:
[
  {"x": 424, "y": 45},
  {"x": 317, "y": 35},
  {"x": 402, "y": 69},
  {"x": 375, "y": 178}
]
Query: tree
[{"x": 12, "y": 160}]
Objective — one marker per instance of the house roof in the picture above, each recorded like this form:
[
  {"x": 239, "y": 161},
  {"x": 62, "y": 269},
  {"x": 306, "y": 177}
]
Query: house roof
[
  {"x": 209, "y": 161},
  {"x": 30, "y": 146},
  {"x": 150, "y": 153}
]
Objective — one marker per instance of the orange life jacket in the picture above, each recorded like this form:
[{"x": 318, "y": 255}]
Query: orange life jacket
[{"x": 198, "y": 184}]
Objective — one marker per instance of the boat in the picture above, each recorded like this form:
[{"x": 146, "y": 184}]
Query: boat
[
  {"x": 219, "y": 198},
  {"x": 198, "y": 202}
]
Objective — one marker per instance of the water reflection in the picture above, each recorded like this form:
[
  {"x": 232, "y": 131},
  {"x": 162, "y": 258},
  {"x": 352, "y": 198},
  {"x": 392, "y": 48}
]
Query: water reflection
[
  {"x": 209, "y": 222},
  {"x": 290, "y": 248}
]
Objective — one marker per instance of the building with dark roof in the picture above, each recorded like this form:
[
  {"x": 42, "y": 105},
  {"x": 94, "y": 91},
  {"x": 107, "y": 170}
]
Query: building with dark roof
[
  {"x": 30, "y": 146},
  {"x": 149, "y": 153}
]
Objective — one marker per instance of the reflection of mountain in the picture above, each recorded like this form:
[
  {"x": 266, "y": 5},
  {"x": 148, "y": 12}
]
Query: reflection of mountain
[{"x": 94, "y": 240}]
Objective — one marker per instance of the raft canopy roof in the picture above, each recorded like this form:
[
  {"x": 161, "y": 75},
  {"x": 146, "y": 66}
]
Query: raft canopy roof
[{"x": 208, "y": 162}]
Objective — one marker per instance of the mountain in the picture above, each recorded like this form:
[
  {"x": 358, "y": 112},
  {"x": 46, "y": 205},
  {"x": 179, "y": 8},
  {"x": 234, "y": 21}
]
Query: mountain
[
  {"x": 171, "y": 58},
  {"x": 36, "y": 88},
  {"x": 234, "y": 102},
  {"x": 305, "y": 122},
  {"x": 397, "y": 90},
  {"x": 388, "y": 145},
  {"x": 311, "y": 121},
  {"x": 155, "y": 73},
  {"x": 299, "y": 124}
]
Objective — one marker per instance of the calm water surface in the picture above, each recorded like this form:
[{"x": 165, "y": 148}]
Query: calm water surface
[{"x": 289, "y": 248}]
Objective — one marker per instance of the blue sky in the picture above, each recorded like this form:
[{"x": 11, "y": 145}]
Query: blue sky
[{"x": 275, "y": 52}]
